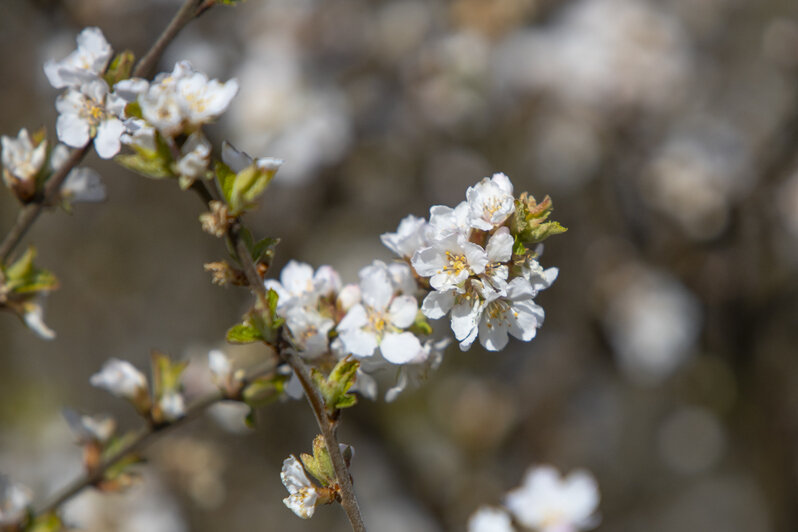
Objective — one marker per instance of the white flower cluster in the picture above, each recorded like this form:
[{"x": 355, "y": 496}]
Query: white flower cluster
[
  {"x": 460, "y": 262},
  {"x": 465, "y": 254},
  {"x": 545, "y": 502},
  {"x": 173, "y": 103}
]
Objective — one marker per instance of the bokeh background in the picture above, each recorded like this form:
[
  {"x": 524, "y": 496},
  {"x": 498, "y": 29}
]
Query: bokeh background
[{"x": 665, "y": 131}]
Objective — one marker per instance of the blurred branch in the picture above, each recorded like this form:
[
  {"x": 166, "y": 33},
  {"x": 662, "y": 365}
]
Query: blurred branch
[
  {"x": 28, "y": 215},
  {"x": 140, "y": 440}
]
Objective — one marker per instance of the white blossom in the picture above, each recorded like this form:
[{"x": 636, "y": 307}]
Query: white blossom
[
  {"x": 87, "y": 112},
  {"x": 410, "y": 236},
  {"x": 139, "y": 133},
  {"x": 184, "y": 99},
  {"x": 549, "y": 503},
  {"x": 499, "y": 251},
  {"x": 514, "y": 313},
  {"x": 172, "y": 405},
  {"x": 490, "y": 202},
  {"x": 303, "y": 495},
  {"x": 90, "y": 428},
  {"x": 449, "y": 261},
  {"x": 444, "y": 220},
  {"x": 22, "y": 160},
  {"x": 14, "y": 501},
  {"x": 83, "y": 185},
  {"x": 194, "y": 160},
  {"x": 380, "y": 320},
  {"x": 34, "y": 319},
  {"x": 84, "y": 64},
  {"x": 219, "y": 365},
  {"x": 488, "y": 519},
  {"x": 309, "y": 331},
  {"x": 120, "y": 378},
  {"x": 299, "y": 285}
]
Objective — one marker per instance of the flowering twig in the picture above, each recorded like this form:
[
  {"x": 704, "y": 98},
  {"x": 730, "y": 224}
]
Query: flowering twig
[
  {"x": 140, "y": 440},
  {"x": 326, "y": 425},
  {"x": 28, "y": 215}
]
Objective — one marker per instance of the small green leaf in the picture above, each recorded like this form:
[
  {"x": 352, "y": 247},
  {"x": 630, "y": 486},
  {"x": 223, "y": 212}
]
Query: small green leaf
[
  {"x": 243, "y": 333},
  {"x": 335, "y": 387},
  {"x": 248, "y": 185},
  {"x": 165, "y": 374},
  {"x": 155, "y": 164},
  {"x": 320, "y": 464},
  {"x": 264, "y": 391},
  {"x": 49, "y": 522},
  {"x": 23, "y": 277},
  {"x": 120, "y": 68}
]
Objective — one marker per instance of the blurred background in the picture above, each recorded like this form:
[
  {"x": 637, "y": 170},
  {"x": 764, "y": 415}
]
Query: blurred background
[{"x": 666, "y": 133}]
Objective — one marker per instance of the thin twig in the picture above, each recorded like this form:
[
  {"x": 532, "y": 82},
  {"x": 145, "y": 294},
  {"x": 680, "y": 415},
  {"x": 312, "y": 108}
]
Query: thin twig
[
  {"x": 188, "y": 11},
  {"x": 348, "y": 497},
  {"x": 140, "y": 440},
  {"x": 28, "y": 215}
]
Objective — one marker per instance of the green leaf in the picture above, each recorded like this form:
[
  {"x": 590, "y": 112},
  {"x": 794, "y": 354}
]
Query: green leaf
[
  {"x": 320, "y": 464},
  {"x": 335, "y": 387},
  {"x": 23, "y": 277},
  {"x": 49, "y": 522},
  {"x": 165, "y": 373},
  {"x": 120, "y": 68},
  {"x": 155, "y": 164},
  {"x": 243, "y": 333},
  {"x": 263, "y": 250},
  {"x": 264, "y": 391}
]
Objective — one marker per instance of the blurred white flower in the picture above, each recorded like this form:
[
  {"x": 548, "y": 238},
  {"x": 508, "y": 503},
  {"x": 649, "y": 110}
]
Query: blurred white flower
[
  {"x": 89, "y": 428},
  {"x": 91, "y": 111},
  {"x": 172, "y": 405},
  {"x": 488, "y": 519},
  {"x": 22, "y": 160},
  {"x": 652, "y": 322},
  {"x": 549, "y": 503},
  {"x": 14, "y": 502},
  {"x": 84, "y": 64},
  {"x": 120, "y": 378}
]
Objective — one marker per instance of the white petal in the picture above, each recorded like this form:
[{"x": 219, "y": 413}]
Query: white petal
[
  {"x": 354, "y": 319},
  {"x": 376, "y": 286},
  {"x": 403, "y": 310},
  {"x": 359, "y": 342},
  {"x": 437, "y": 304},
  {"x": 293, "y": 475},
  {"x": 500, "y": 246},
  {"x": 493, "y": 334},
  {"x": 465, "y": 316},
  {"x": 401, "y": 348},
  {"x": 476, "y": 256},
  {"x": 72, "y": 131},
  {"x": 107, "y": 142}
]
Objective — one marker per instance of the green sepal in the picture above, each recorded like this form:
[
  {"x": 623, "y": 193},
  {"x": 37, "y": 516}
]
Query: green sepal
[
  {"x": 156, "y": 164},
  {"x": 320, "y": 464},
  {"x": 225, "y": 177},
  {"x": 165, "y": 374},
  {"x": 49, "y": 522},
  {"x": 247, "y": 187},
  {"x": 421, "y": 325},
  {"x": 335, "y": 387},
  {"x": 529, "y": 222},
  {"x": 133, "y": 110},
  {"x": 243, "y": 333},
  {"x": 120, "y": 68},
  {"x": 264, "y": 390},
  {"x": 23, "y": 276},
  {"x": 519, "y": 248}
]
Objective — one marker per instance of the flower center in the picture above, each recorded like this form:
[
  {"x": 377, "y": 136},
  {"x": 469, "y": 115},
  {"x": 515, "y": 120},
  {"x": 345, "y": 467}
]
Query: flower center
[{"x": 456, "y": 263}]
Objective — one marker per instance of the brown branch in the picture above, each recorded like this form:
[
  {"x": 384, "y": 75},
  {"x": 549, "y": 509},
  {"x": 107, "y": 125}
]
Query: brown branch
[
  {"x": 326, "y": 425},
  {"x": 28, "y": 215},
  {"x": 141, "y": 439}
]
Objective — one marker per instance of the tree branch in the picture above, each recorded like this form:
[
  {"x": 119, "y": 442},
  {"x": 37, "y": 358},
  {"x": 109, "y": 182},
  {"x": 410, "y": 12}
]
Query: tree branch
[{"x": 28, "y": 215}]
